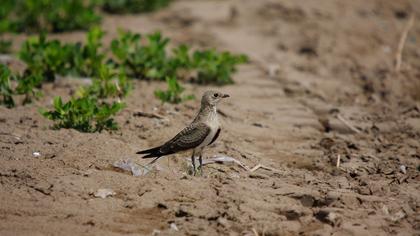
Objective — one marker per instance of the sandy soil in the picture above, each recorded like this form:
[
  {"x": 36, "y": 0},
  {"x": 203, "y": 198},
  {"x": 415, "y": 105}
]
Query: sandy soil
[{"x": 314, "y": 65}]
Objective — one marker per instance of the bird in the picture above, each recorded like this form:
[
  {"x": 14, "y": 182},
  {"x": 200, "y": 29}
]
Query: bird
[{"x": 200, "y": 133}]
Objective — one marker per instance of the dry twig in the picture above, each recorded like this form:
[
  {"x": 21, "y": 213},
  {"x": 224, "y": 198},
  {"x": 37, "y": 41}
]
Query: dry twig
[
  {"x": 338, "y": 161},
  {"x": 401, "y": 43},
  {"x": 255, "y": 232},
  {"x": 222, "y": 159},
  {"x": 345, "y": 122},
  {"x": 263, "y": 167}
]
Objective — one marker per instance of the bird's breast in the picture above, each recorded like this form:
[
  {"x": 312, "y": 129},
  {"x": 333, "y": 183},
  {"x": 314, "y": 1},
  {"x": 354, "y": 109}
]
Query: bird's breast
[
  {"x": 209, "y": 138},
  {"x": 212, "y": 121}
]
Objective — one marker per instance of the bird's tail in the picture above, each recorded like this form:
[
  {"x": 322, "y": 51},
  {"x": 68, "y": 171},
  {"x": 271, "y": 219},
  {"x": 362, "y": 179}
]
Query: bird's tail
[{"x": 153, "y": 152}]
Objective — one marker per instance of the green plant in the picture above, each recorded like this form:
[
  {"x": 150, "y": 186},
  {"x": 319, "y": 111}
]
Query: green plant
[
  {"x": 133, "y": 6},
  {"x": 88, "y": 59},
  {"x": 109, "y": 84},
  {"x": 5, "y": 46},
  {"x": 84, "y": 114},
  {"x": 147, "y": 61},
  {"x": 6, "y": 90},
  {"x": 49, "y": 57},
  {"x": 29, "y": 86},
  {"x": 6, "y": 9},
  {"x": 217, "y": 68},
  {"x": 173, "y": 94},
  {"x": 88, "y": 114},
  {"x": 150, "y": 61},
  {"x": 46, "y": 58},
  {"x": 181, "y": 58},
  {"x": 46, "y": 15}
]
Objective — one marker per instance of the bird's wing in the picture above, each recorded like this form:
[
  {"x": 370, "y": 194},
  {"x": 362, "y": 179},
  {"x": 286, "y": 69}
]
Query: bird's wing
[
  {"x": 190, "y": 137},
  {"x": 215, "y": 136}
]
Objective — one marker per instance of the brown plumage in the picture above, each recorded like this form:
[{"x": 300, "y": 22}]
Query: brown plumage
[{"x": 203, "y": 131}]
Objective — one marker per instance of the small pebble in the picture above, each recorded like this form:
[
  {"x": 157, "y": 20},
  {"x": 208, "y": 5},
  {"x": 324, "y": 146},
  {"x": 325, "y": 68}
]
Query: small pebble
[
  {"x": 36, "y": 154},
  {"x": 403, "y": 169},
  {"x": 104, "y": 193},
  {"x": 174, "y": 227}
]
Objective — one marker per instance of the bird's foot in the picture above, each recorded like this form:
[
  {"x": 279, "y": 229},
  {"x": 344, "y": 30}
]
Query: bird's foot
[
  {"x": 196, "y": 171},
  {"x": 192, "y": 171}
]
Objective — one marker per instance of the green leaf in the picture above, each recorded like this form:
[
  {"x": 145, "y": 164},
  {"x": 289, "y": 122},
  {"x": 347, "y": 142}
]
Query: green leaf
[
  {"x": 58, "y": 103},
  {"x": 85, "y": 114},
  {"x": 173, "y": 94},
  {"x": 46, "y": 15},
  {"x": 133, "y": 6}
]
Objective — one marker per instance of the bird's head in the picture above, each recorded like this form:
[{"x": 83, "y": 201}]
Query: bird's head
[{"x": 212, "y": 98}]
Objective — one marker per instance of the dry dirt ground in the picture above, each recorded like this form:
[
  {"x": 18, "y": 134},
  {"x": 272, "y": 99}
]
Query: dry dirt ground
[{"x": 315, "y": 65}]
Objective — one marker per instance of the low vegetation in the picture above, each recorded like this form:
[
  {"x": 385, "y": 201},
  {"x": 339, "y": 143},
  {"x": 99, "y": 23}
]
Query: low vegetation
[
  {"x": 144, "y": 61},
  {"x": 29, "y": 86},
  {"x": 93, "y": 107},
  {"x": 151, "y": 60},
  {"x": 50, "y": 57},
  {"x": 6, "y": 87},
  {"x": 47, "y": 58},
  {"x": 110, "y": 83},
  {"x": 174, "y": 92},
  {"x": 13, "y": 85},
  {"x": 85, "y": 114},
  {"x": 216, "y": 68},
  {"x": 31, "y": 16},
  {"x": 91, "y": 110},
  {"x": 5, "y": 46},
  {"x": 148, "y": 60},
  {"x": 47, "y": 15},
  {"x": 133, "y": 6}
]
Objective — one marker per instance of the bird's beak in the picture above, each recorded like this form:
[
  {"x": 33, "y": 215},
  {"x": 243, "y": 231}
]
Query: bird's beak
[{"x": 225, "y": 96}]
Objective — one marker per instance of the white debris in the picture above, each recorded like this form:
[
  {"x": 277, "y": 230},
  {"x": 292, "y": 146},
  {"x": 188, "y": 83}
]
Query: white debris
[
  {"x": 398, "y": 216},
  {"x": 227, "y": 159},
  {"x": 87, "y": 172},
  {"x": 224, "y": 159},
  {"x": 385, "y": 210},
  {"x": 174, "y": 227},
  {"x": 36, "y": 154},
  {"x": 129, "y": 165},
  {"x": 104, "y": 193},
  {"x": 234, "y": 175},
  {"x": 403, "y": 169},
  {"x": 223, "y": 221},
  {"x": 333, "y": 218},
  {"x": 273, "y": 70}
]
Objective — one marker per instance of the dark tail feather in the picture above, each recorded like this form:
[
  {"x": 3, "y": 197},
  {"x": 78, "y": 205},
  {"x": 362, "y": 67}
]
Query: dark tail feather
[
  {"x": 151, "y": 155},
  {"x": 153, "y": 152},
  {"x": 148, "y": 150}
]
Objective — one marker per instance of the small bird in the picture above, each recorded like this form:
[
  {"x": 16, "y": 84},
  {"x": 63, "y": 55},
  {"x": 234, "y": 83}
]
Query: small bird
[{"x": 203, "y": 131}]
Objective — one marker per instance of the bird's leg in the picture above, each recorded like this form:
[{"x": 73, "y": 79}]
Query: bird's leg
[
  {"x": 193, "y": 161},
  {"x": 153, "y": 161},
  {"x": 200, "y": 158}
]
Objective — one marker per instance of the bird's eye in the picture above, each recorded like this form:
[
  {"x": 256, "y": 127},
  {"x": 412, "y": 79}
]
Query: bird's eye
[{"x": 216, "y": 95}]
